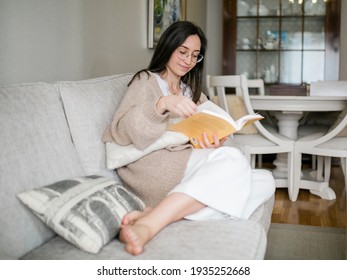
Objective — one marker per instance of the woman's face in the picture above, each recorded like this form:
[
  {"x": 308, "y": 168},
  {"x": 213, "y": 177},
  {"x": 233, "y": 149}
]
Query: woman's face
[{"x": 183, "y": 59}]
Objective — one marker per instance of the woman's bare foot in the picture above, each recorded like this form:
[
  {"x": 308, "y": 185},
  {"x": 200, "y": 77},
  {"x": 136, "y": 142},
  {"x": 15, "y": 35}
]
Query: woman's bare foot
[
  {"x": 135, "y": 238},
  {"x": 172, "y": 208},
  {"x": 133, "y": 216}
]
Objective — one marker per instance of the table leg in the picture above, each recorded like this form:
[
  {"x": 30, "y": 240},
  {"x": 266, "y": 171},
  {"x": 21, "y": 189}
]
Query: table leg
[{"x": 288, "y": 123}]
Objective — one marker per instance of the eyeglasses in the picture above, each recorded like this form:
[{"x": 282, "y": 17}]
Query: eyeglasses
[{"x": 184, "y": 54}]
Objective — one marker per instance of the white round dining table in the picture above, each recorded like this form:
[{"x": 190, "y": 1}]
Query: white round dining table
[{"x": 288, "y": 110}]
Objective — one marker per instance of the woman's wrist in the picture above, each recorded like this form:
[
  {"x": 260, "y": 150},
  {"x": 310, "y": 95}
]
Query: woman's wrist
[{"x": 161, "y": 108}]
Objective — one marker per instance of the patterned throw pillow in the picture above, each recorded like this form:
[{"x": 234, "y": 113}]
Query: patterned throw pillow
[{"x": 86, "y": 211}]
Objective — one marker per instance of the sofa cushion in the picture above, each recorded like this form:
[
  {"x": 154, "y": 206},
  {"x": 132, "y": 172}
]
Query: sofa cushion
[
  {"x": 90, "y": 106},
  {"x": 263, "y": 214},
  {"x": 86, "y": 211},
  {"x": 36, "y": 150},
  {"x": 183, "y": 240}
]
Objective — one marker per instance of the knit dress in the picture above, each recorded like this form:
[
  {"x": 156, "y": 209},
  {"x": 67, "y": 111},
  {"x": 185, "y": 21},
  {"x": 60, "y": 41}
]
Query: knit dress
[{"x": 219, "y": 178}]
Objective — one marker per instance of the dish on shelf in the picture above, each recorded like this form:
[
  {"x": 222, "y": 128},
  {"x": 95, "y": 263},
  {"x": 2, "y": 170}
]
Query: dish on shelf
[
  {"x": 291, "y": 8},
  {"x": 263, "y": 11},
  {"x": 269, "y": 47},
  {"x": 242, "y": 8},
  {"x": 316, "y": 9}
]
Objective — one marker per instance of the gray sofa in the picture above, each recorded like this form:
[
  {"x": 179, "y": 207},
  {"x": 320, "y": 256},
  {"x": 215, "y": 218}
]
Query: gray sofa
[{"x": 51, "y": 132}]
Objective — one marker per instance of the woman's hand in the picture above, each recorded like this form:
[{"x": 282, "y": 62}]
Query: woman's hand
[
  {"x": 205, "y": 144},
  {"x": 180, "y": 105}
]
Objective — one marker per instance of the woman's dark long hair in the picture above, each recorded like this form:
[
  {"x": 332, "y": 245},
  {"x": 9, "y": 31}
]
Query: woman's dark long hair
[{"x": 170, "y": 40}]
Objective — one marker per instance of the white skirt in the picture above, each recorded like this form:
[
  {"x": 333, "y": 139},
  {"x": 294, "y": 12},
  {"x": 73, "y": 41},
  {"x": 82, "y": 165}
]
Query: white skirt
[{"x": 223, "y": 180}]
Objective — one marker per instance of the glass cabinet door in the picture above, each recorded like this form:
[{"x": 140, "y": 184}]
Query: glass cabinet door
[
  {"x": 314, "y": 45},
  {"x": 269, "y": 38},
  {"x": 280, "y": 41},
  {"x": 246, "y": 58},
  {"x": 291, "y": 47}
]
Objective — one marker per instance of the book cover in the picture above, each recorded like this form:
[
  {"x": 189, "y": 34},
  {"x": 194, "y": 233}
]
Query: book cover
[{"x": 211, "y": 119}]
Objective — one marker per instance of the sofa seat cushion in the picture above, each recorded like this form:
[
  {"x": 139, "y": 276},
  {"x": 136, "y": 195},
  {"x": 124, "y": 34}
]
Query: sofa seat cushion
[
  {"x": 36, "y": 150},
  {"x": 189, "y": 240},
  {"x": 87, "y": 211},
  {"x": 263, "y": 214}
]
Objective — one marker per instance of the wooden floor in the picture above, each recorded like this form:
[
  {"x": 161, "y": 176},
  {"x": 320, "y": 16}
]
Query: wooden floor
[{"x": 310, "y": 209}]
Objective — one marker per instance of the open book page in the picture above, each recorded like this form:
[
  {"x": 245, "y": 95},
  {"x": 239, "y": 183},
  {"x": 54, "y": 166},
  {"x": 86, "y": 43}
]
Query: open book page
[
  {"x": 247, "y": 120},
  {"x": 211, "y": 119}
]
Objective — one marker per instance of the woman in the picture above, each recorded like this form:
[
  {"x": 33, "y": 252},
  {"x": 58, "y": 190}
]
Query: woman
[{"x": 178, "y": 181}]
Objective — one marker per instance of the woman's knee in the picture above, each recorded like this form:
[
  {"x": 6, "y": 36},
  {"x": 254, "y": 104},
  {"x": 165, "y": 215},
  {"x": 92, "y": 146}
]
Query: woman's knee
[{"x": 234, "y": 153}]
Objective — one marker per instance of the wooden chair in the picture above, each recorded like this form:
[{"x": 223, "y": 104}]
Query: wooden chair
[
  {"x": 257, "y": 84},
  {"x": 252, "y": 144},
  {"x": 318, "y": 123},
  {"x": 325, "y": 145}
]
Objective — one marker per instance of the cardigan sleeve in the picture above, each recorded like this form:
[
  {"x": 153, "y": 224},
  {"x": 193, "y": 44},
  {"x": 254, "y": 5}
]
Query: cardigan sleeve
[{"x": 137, "y": 120}]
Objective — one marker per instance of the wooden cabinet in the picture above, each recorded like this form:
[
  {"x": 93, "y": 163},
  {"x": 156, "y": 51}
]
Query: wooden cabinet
[{"x": 282, "y": 41}]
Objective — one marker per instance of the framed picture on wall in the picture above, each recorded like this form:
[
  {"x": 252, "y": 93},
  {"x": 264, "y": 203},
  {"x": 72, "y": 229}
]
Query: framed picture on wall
[{"x": 162, "y": 13}]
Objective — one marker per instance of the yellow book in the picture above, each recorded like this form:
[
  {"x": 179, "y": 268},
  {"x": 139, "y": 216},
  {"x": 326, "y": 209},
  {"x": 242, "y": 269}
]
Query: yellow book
[{"x": 212, "y": 119}]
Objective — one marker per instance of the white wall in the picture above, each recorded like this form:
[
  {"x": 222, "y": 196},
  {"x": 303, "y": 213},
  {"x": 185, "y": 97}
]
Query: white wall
[
  {"x": 49, "y": 40},
  {"x": 46, "y": 40},
  {"x": 214, "y": 32}
]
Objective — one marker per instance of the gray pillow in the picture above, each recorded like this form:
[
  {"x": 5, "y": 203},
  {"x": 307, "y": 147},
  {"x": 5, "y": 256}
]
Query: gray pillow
[{"x": 86, "y": 211}]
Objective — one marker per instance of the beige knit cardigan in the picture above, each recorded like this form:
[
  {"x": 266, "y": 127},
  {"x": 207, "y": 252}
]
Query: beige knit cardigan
[{"x": 137, "y": 122}]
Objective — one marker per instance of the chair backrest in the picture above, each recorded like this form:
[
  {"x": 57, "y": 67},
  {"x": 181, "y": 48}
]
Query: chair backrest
[
  {"x": 257, "y": 84},
  {"x": 330, "y": 88},
  {"x": 258, "y": 125},
  {"x": 216, "y": 85},
  {"x": 216, "y": 88}
]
